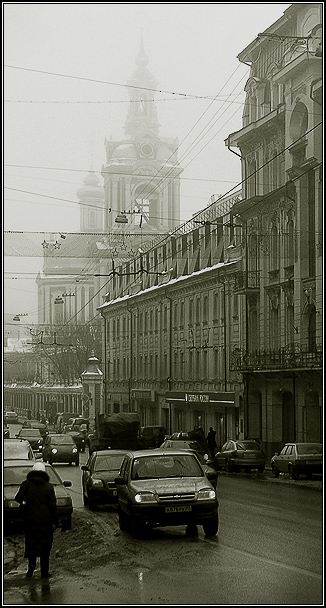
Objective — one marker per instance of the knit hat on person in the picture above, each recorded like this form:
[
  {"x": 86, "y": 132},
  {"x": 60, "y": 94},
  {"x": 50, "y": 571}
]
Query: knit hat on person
[{"x": 39, "y": 466}]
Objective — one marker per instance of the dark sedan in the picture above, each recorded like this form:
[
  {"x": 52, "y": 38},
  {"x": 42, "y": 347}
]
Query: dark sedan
[
  {"x": 240, "y": 454},
  {"x": 14, "y": 473},
  {"x": 33, "y": 436},
  {"x": 298, "y": 459},
  {"x": 60, "y": 448},
  {"x": 36, "y": 424},
  {"x": 98, "y": 477}
]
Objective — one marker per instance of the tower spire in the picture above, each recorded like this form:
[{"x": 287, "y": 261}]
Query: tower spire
[{"x": 142, "y": 117}]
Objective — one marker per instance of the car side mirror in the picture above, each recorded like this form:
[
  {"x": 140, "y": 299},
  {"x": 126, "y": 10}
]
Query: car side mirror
[
  {"x": 212, "y": 474},
  {"x": 119, "y": 481},
  {"x": 84, "y": 467},
  {"x": 67, "y": 484}
]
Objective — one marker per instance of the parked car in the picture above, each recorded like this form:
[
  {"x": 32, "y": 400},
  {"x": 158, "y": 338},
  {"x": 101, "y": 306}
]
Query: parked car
[
  {"x": 33, "y": 436},
  {"x": 98, "y": 475},
  {"x": 60, "y": 448},
  {"x": 165, "y": 488},
  {"x": 14, "y": 473},
  {"x": 11, "y": 417},
  {"x": 207, "y": 468},
  {"x": 298, "y": 459},
  {"x": 36, "y": 424},
  {"x": 181, "y": 444},
  {"x": 6, "y": 431},
  {"x": 240, "y": 454},
  {"x": 17, "y": 449},
  {"x": 148, "y": 435},
  {"x": 179, "y": 435}
]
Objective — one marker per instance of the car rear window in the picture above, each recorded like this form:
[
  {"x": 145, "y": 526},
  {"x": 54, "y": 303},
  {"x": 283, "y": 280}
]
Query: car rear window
[
  {"x": 30, "y": 433},
  {"x": 17, "y": 451},
  {"x": 252, "y": 445},
  {"x": 162, "y": 467},
  {"x": 13, "y": 476},
  {"x": 310, "y": 448},
  {"x": 62, "y": 440}
]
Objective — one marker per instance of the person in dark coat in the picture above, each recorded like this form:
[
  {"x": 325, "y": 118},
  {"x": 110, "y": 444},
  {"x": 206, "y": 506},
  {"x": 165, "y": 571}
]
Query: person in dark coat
[
  {"x": 37, "y": 496},
  {"x": 159, "y": 438},
  {"x": 198, "y": 435},
  {"x": 211, "y": 441}
]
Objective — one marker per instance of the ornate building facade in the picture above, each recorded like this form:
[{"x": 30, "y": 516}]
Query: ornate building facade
[
  {"x": 280, "y": 354},
  {"x": 220, "y": 324}
]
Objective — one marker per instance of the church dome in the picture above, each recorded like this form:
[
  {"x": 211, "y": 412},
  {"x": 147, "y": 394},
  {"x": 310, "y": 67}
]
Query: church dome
[
  {"x": 91, "y": 189},
  {"x": 125, "y": 151}
]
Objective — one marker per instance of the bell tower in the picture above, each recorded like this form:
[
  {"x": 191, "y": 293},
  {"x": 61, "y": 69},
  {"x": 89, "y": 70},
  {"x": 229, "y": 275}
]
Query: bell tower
[{"x": 142, "y": 173}]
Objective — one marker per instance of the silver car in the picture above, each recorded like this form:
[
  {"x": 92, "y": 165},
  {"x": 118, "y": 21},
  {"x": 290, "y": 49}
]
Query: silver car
[{"x": 298, "y": 459}]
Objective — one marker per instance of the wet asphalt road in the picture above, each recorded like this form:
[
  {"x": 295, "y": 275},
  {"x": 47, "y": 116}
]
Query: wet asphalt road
[{"x": 268, "y": 551}]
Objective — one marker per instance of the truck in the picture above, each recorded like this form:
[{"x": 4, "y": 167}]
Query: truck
[{"x": 118, "y": 432}]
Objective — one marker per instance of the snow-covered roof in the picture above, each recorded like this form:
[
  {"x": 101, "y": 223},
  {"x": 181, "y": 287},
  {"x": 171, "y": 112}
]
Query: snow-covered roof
[{"x": 170, "y": 283}]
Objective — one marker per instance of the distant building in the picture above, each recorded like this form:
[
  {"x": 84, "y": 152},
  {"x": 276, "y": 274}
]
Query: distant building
[{"x": 138, "y": 202}]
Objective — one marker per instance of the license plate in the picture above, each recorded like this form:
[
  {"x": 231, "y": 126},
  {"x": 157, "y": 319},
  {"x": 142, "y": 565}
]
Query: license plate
[
  {"x": 312, "y": 462},
  {"x": 178, "y": 509}
]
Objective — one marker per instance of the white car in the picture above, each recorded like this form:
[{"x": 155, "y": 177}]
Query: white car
[{"x": 17, "y": 449}]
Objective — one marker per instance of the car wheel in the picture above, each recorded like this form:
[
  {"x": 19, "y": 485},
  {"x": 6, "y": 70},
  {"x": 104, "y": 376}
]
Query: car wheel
[
  {"x": 137, "y": 527},
  {"x": 292, "y": 473},
  {"x": 228, "y": 467},
  {"x": 66, "y": 524},
  {"x": 261, "y": 469},
  {"x": 210, "y": 526},
  {"x": 124, "y": 523},
  {"x": 275, "y": 472},
  {"x": 91, "y": 504},
  {"x": 77, "y": 462}
]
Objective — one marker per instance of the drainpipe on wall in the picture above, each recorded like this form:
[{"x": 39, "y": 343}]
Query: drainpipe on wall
[{"x": 169, "y": 379}]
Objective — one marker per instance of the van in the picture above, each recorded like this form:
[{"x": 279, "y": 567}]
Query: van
[{"x": 148, "y": 435}]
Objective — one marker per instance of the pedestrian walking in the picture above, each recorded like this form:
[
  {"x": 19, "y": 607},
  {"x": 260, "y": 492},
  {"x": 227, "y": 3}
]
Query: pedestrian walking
[
  {"x": 37, "y": 497},
  {"x": 211, "y": 441}
]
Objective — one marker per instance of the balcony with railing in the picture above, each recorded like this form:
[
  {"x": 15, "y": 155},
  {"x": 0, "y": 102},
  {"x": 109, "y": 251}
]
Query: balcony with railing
[
  {"x": 246, "y": 282},
  {"x": 293, "y": 356}
]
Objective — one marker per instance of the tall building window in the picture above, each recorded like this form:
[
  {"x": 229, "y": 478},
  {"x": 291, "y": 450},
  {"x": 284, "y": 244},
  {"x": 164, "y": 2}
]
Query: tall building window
[
  {"x": 191, "y": 312},
  {"x": 312, "y": 330},
  {"x": 274, "y": 248},
  {"x": 289, "y": 329},
  {"x": 290, "y": 243},
  {"x": 182, "y": 314},
  {"x": 274, "y": 328},
  {"x": 251, "y": 179},
  {"x": 205, "y": 310},
  {"x": 311, "y": 224}
]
